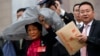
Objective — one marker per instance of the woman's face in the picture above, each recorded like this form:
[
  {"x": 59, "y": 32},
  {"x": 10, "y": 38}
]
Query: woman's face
[{"x": 33, "y": 32}]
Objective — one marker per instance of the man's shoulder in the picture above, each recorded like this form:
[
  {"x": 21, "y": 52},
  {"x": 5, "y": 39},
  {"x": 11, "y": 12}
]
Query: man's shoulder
[
  {"x": 97, "y": 22},
  {"x": 66, "y": 13}
]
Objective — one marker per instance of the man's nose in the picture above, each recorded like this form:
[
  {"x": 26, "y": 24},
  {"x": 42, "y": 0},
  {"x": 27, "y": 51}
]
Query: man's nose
[{"x": 85, "y": 13}]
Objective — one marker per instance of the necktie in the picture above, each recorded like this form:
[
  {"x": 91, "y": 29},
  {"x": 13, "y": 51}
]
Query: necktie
[
  {"x": 83, "y": 49},
  {"x": 79, "y": 25}
]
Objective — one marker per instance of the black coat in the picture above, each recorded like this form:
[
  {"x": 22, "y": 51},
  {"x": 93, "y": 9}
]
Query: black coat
[
  {"x": 67, "y": 17},
  {"x": 16, "y": 44},
  {"x": 60, "y": 50},
  {"x": 93, "y": 42}
]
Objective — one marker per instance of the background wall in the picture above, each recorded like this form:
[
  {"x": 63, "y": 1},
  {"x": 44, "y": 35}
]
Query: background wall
[
  {"x": 8, "y": 9},
  {"x": 16, "y": 4},
  {"x": 68, "y": 4},
  {"x": 5, "y": 14}
]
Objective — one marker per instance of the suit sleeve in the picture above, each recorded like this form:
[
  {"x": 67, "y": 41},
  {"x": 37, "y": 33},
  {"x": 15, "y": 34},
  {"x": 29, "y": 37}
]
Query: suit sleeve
[
  {"x": 50, "y": 36},
  {"x": 94, "y": 38},
  {"x": 93, "y": 41}
]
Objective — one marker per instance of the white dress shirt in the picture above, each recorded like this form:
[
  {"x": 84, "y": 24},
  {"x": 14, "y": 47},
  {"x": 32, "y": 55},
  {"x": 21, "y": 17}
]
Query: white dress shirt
[
  {"x": 88, "y": 29},
  {"x": 81, "y": 24},
  {"x": 62, "y": 12}
]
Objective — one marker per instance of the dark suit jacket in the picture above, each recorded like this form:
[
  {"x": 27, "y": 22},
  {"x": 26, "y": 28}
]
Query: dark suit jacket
[
  {"x": 59, "y": 50},
  {"x": 67, "y": 17},
  {"x": 1, "y": 44},
  {"x": 16, "y": 44},
  {"x": 93, "y": 41},
  {"x": 48, "y": 40}
]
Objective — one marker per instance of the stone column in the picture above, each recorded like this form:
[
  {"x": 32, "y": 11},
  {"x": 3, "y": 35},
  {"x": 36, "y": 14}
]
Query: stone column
[{"x": 5, "y": 14}]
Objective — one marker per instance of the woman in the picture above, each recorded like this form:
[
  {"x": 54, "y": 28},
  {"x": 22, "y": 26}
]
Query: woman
[{"x": 39, "y": 45}]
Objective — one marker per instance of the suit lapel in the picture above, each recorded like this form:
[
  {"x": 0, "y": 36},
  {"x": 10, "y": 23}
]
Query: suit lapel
[
  {"x": 81, "y": 29},
  {"x": 92, "y": 27}
]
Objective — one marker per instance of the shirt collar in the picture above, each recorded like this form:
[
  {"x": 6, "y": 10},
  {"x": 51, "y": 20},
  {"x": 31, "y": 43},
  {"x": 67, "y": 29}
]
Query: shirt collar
[
  {"x": 90, "y": 23},
  {"x": 79, "y": 23},
  {"x": 62, "y": 12}
]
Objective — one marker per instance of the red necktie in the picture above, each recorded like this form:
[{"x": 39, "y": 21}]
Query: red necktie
[{"x": 83, "y": 49}]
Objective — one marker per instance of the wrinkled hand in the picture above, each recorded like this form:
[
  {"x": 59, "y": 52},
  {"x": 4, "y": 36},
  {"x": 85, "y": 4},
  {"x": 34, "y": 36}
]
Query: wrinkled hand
[
  {"x": 82, "y": 38},
  {"x": 43, "y": 22}
]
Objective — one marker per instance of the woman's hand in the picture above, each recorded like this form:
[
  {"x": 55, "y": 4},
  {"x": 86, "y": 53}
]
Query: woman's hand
[{"x": 43, "y": 22}]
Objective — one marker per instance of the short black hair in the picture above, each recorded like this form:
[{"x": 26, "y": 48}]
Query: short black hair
[
  {"x": 87, "y": 3},
  {"x": 60, "y": 1},
  {"x": 75, "y": 6},
  {"x": 38, "y": 25},
  {"x": 21, "y": 9},
  {"x": 43, "y": 2},
  {"x": 46, "y": 1},
  {"x": 50, "y": 3}
]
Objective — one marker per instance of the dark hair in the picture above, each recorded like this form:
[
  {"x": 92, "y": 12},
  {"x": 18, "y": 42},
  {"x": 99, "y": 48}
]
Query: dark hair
[
  {"x": 75, "y": 6},
  {"x": 21, "y": 9},
  {"x": 60, "y": 1},
  {"x": 36, "y": 24},
  {"x": 50, "y": 3},
  {"x": 87, "y": 3},
  {"x": 46, "y": 2},
  {"x": 43, "y": 2}
]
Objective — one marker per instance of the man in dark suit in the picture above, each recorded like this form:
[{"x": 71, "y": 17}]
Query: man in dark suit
[
  {"x": 78, "y": 20},
  {"x": 92, "y": 36},
  {"x": 56, "y": 6},
  {"x": 93, "y": 33},
  {"x": 59, "y": 49}
]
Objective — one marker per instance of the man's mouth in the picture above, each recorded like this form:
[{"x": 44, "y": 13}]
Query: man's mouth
[{"x": 85, "y": 17}]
